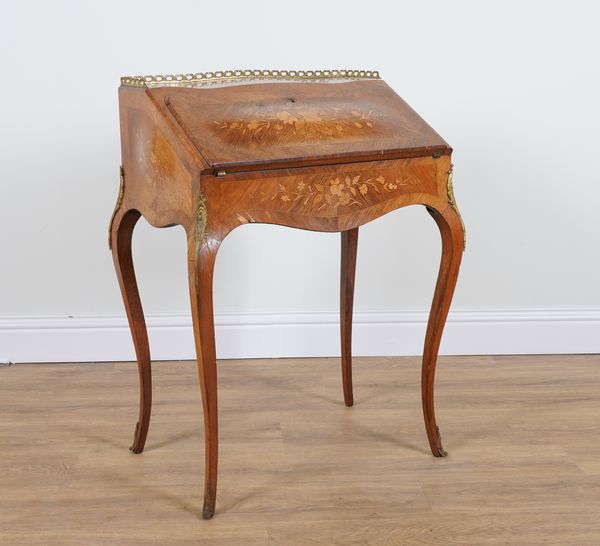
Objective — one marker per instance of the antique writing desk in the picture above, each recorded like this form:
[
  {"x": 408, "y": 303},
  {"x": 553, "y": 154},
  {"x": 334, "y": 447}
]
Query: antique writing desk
[{"x": 319, "y": 150}]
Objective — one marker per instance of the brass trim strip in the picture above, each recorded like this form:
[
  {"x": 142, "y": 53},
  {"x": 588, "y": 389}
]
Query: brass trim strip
[
  {"x": 201, "y": 221},
  {"x": 200, "y": 233},
  {"x": 452, "y": 202},
  {"x": 117, "y": 205},
  {"x": 221, "y": 76}
]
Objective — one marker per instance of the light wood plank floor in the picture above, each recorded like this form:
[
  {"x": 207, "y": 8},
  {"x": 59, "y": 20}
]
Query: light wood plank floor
[{"x": 297, "y": 467}]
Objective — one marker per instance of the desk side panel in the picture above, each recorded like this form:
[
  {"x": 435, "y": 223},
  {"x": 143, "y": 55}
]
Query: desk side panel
[{"x": 159, "y": 168}]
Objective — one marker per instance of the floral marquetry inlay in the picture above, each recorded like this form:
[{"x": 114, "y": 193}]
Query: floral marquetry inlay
[
  {"x": 298, "y": 124},
  {"x": 330, "y": 194}
]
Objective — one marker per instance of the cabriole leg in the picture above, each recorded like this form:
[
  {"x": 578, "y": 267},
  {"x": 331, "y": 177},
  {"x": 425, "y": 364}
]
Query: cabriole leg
[
  {"x": 121, "y": 233},
  {"x": 201, "y": 261},
  {"x": 451, "y": 230},
  {"x": 348, "y": 269}
]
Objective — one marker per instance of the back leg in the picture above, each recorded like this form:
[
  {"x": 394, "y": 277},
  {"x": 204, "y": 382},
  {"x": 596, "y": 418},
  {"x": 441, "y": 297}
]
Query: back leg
[{"x": 348, "y": 269}]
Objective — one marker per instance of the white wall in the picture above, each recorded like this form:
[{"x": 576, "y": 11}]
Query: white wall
[{"x": 513, "y": 86}]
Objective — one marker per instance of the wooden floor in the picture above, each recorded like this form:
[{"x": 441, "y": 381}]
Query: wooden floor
[{"x": 298, "y": 467}]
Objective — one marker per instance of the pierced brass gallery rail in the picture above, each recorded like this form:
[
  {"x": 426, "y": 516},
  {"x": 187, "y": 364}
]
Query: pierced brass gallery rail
[{"x": 184, "y": 80}]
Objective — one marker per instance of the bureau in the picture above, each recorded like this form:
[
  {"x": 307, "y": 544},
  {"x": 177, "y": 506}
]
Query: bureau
[{"x": 325, "y": 150}]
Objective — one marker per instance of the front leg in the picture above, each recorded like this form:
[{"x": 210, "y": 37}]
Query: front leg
[
  {"x": 451, "y": 230},
  {"x": 120, "y": 234},
  {"x": 202, "y": 250}
]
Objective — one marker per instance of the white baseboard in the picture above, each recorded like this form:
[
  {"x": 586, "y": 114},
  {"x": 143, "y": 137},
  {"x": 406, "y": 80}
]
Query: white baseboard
[{"x": 93, "y": 339}]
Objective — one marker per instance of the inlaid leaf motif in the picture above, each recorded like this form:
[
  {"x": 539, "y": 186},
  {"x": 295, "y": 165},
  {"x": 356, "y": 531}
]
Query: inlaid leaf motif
[{"x": 300, "y": 123}]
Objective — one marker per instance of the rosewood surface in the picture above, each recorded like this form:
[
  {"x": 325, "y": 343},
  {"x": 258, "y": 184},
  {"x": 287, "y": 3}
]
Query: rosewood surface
[{"x": 326, "y": 153}]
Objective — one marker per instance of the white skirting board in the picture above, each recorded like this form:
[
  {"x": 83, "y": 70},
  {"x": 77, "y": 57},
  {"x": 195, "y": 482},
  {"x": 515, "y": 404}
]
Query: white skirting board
[{"x": 95, "y": 339}]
